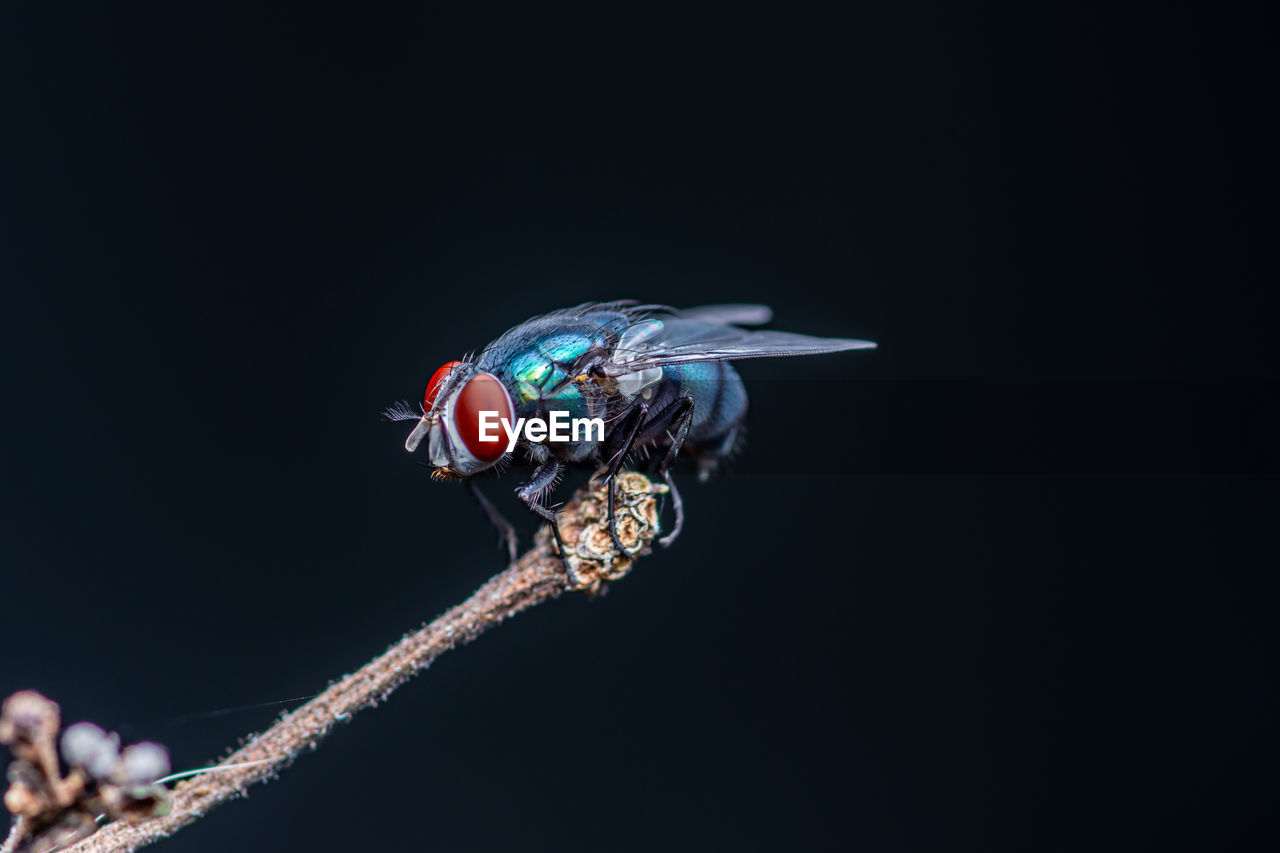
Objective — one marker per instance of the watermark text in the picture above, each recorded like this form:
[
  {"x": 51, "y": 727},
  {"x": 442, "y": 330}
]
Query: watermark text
[{"x": 559, "y": 428}]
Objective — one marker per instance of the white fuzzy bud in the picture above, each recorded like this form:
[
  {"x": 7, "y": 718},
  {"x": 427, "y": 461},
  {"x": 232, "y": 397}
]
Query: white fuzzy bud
[
  {"x": 88, "y": 746},
  {"x": 145, "y": 762}
]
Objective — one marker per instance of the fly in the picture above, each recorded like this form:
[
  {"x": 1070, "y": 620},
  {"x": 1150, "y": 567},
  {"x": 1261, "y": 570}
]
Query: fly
[{"x": 659, "y": 378}]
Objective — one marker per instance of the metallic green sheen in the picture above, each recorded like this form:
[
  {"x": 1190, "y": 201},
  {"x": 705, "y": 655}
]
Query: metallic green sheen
[{"x": 535, "y": 369}]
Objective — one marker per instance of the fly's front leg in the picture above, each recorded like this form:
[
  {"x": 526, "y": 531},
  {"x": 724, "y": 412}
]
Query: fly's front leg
[
  {"x": 495, "y": 518},
  {"x": 531, "y": 493}
]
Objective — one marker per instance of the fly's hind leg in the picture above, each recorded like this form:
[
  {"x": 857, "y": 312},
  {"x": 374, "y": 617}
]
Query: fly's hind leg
[
  {"x": 709, "y": 460},
  {"x": 678, "y": 506},
  {"x": 685, "y": 420}
]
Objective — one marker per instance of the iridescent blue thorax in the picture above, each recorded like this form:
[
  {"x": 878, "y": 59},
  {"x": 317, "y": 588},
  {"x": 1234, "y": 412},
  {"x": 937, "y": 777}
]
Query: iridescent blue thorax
[{"x": 540, "y": 362}]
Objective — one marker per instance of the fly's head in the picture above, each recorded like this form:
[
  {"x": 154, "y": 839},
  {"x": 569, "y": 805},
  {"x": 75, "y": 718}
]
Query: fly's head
[{"x": 452, "y": 403}]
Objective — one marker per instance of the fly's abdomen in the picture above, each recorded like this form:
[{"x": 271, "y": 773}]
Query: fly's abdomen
[{"x": 719, "y": 401}]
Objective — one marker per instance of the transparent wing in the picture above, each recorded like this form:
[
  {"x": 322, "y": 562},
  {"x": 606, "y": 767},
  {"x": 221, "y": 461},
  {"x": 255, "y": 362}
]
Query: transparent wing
[
  {"x": 736, "y": 315},
  {"x": 680, "y": 340}
]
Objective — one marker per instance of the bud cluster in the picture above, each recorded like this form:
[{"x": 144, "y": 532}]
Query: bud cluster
[{"x": 102, "y": 781}]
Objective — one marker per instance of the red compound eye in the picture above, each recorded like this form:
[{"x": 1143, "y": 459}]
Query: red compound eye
[
  {"x": 437, "y": 379},
  {"x": 484, "y": 393}
]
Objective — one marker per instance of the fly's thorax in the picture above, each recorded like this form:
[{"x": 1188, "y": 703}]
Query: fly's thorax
[
  {"x": 544, "y": 387},
  {"x": 542, "y": 379}
]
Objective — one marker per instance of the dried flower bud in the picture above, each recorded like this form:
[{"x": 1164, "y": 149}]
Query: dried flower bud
[
  {"x": 26, "y": 716},
  {"x": 21, "y": 800},
  {"x": 88, "y": 746},
  {"x": 58, "y": 811},
  {"x": 145, "y": 762}
]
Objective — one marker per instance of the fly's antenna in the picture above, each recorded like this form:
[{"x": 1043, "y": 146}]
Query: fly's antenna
[{"x": 402, "y": 410}]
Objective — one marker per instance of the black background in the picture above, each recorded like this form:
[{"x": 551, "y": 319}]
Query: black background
[{"x": 1004, "y": 583}]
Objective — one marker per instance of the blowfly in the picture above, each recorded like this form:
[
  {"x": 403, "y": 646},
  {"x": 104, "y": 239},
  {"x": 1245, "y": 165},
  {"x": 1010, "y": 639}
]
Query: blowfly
[{"x": 658, "y": 378}]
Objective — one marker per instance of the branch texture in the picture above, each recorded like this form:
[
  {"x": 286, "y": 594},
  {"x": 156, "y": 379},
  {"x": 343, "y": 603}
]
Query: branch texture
[{"x": 536, "y": 577}]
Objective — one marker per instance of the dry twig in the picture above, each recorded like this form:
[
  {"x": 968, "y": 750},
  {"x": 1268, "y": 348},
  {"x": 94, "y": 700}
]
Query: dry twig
[{"x": 536, "y": 577}]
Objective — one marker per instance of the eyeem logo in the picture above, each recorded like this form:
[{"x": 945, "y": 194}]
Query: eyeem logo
[{"x": 560, "y": 428}]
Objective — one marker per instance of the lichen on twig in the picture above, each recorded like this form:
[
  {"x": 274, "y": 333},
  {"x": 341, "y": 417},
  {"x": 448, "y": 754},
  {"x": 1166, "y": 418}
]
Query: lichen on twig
[{"x": 536, "y": 577}]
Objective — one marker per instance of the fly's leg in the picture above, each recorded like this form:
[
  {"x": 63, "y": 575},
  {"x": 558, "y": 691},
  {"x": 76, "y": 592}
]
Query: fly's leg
[
  {"x": 613, "y": 523},
  {"x": 681, "y": 414},
  {"x": 550, "y": 516},
  {"x": 708, "y": 461},
  {"x": 495, "y": 518},
  {"x": 541, "y": 482},
  {"x": 678, "y": 506},
  {"x": 620, "y": 458},
  {"x": 685, "y": 416},
  {"x": 615, "y": 466}
]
